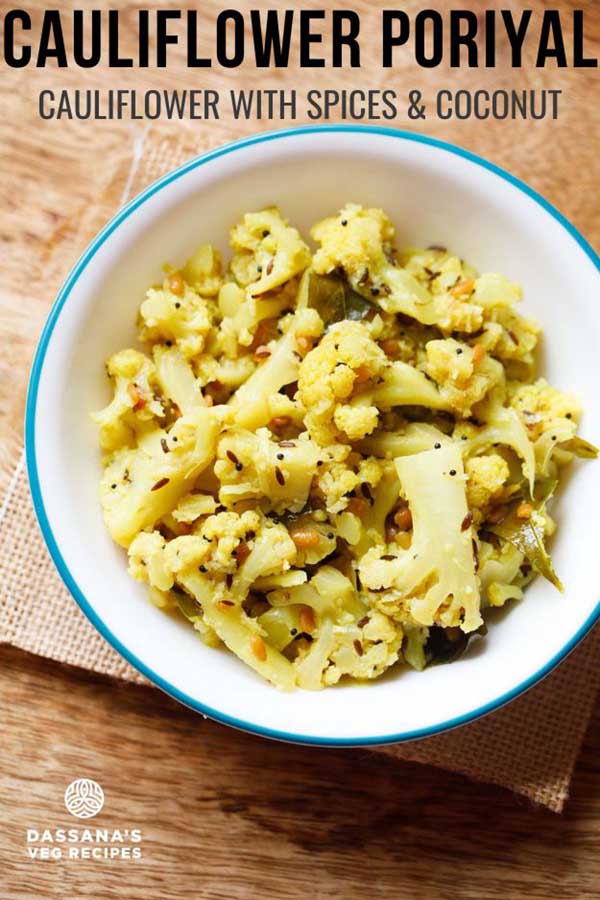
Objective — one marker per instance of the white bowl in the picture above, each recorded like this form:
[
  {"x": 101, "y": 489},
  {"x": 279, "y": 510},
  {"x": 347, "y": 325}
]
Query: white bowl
[{"x": 435, "y": 193}]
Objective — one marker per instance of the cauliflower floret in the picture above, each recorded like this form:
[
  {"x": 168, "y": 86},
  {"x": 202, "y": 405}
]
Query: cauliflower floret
[
  {"x": 328, "y": 609},
  {"x": 510, "y": 337},
  {"x": 268, "y": 251},
  {"x": 541, "y": 407},
  {"x": 134, "y": 403},
  {"x": 439, "y": 269},
  {"x": 193, "y": 506},
  {"x": 452, "y": 277},
  {"x": 243, "y": 314},
  {"x": 464, "y": 377},
  {"x": 402, "y": 385},
  {"x": 356, "y": 421},
  {"x": 504, "y": 427},
  {"x": 499, "y": 563},
  {"x": 364, "y": 651},
  {"x": 254, "y": 466},
  {"x": 486, "y": 477},
  {"x": 140, "y": 486},
  {"x": 147, "y": 560},
  {"x": 186, "y": 552},
  {"x": 461, "y": 316},
  {"x": 341, "y": 473},
  {"x": 344, "y": 359},
  {"x": 436, "y": 575},
  {"x": 255, "y": 402},
  {"x": 227, "y": 374},
  {"x": 203, "y": 271},
  {"x": 493, "y": 291},
  {"x": 231, "y": 549},
  {"x": 222, "y": 611},
  {"x": 359, "y": 242},
  {"x": 183, "y": 318},
  {"x": 224, "y": 531},
  {"x": 379, "y": 628},
  {"x": 550, "y": 417},
  {"x": 354, "y": 240},
  {"x": 176, "y": 379},
  {"x": 498, "y": 594},
  {"x": 272, "y": 553},
  {"x": 453, "y": 283}
]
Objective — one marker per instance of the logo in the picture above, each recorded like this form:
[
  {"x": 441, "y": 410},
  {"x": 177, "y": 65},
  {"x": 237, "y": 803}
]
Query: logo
[{"x": 84, "y": 798}]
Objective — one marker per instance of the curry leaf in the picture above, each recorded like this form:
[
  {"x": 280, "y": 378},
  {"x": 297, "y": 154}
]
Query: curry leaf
[
  {"x": 445, "y": 645},
  {"x": 188, "y": 606},
  {"x": 334, "y": 299},
  {"x": 528, "y": 537},
  {"x": 544, "y": 489},
  {"x": 581, "y": 448}
]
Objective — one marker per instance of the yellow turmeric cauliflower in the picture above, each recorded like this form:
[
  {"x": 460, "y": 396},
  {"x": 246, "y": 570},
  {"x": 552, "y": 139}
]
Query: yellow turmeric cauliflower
[
  {"x": 267, "y": 251},
  {"x": 134, "y": 402},
  {"x": 184, "y": 319},
  {"x": 541, "y": 407},
  {"x": 203, "y": 271},
  {"x": 346, "y": 358},
  {"x": 486, "y": 477},
  {"x": 341, "y": 472},
  {"x": 356, "y": 240},
  {"x": 333, "y": 463},
  {"x": 464, "y": 379}
]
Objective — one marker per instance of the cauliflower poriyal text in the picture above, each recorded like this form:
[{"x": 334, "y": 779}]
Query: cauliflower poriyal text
[{"x": 332, "y": 460}]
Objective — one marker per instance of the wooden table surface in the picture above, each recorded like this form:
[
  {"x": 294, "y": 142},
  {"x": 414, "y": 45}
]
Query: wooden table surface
[{"x": 225, "y": 815}]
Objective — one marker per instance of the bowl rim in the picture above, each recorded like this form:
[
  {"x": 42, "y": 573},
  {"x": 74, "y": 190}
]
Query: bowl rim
[{"x": 33, "y": 475}]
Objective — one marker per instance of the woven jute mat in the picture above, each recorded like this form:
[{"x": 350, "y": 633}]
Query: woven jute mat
[{"x": 529, "y": 746}]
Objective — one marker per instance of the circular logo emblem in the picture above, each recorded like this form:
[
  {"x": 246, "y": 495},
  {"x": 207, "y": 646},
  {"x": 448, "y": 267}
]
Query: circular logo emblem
[{"x": 84, "y": 798}]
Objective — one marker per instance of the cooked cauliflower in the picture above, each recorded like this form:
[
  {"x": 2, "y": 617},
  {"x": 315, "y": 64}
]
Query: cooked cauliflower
[
  {"x": 134, "y": 404},
  {"x": 333, "y": 463},
  {"x": 541, "y": 407},
  {"x": 267, "y": 251},
  {"x": 345, "y": 360},
  {"x": 486, "y": 477},
  {"x": 141, "y": 485},
  {"x": 203, "y": 271},
  {"x": 179, "y": 316},
  {"x": 464, "y": 376},
  {"x": 258, "y": 400},
  {"x": 341, "y": 473},
  {"x": 256, "y": 467},
  {"x": 359, "y": 241},
  {"x": 436, "y": 574}
]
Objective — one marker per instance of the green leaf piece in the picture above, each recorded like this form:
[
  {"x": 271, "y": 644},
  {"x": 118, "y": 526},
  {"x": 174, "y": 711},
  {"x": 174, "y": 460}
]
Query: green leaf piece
[
  {"x": 445, "y": 645},
  {"x": 188, "y": 606},
  {"x": 334, "y": 299},
  {"x": 581, "y": 448},
  {"x": 527, "y": 537}
]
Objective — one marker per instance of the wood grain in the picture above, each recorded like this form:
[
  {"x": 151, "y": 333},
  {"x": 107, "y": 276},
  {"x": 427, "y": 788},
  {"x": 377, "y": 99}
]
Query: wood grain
[{"x": 225, "y": 815}]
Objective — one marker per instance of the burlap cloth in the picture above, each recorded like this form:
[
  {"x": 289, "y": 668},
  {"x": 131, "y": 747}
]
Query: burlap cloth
[{"x": 529, "y": 746}]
